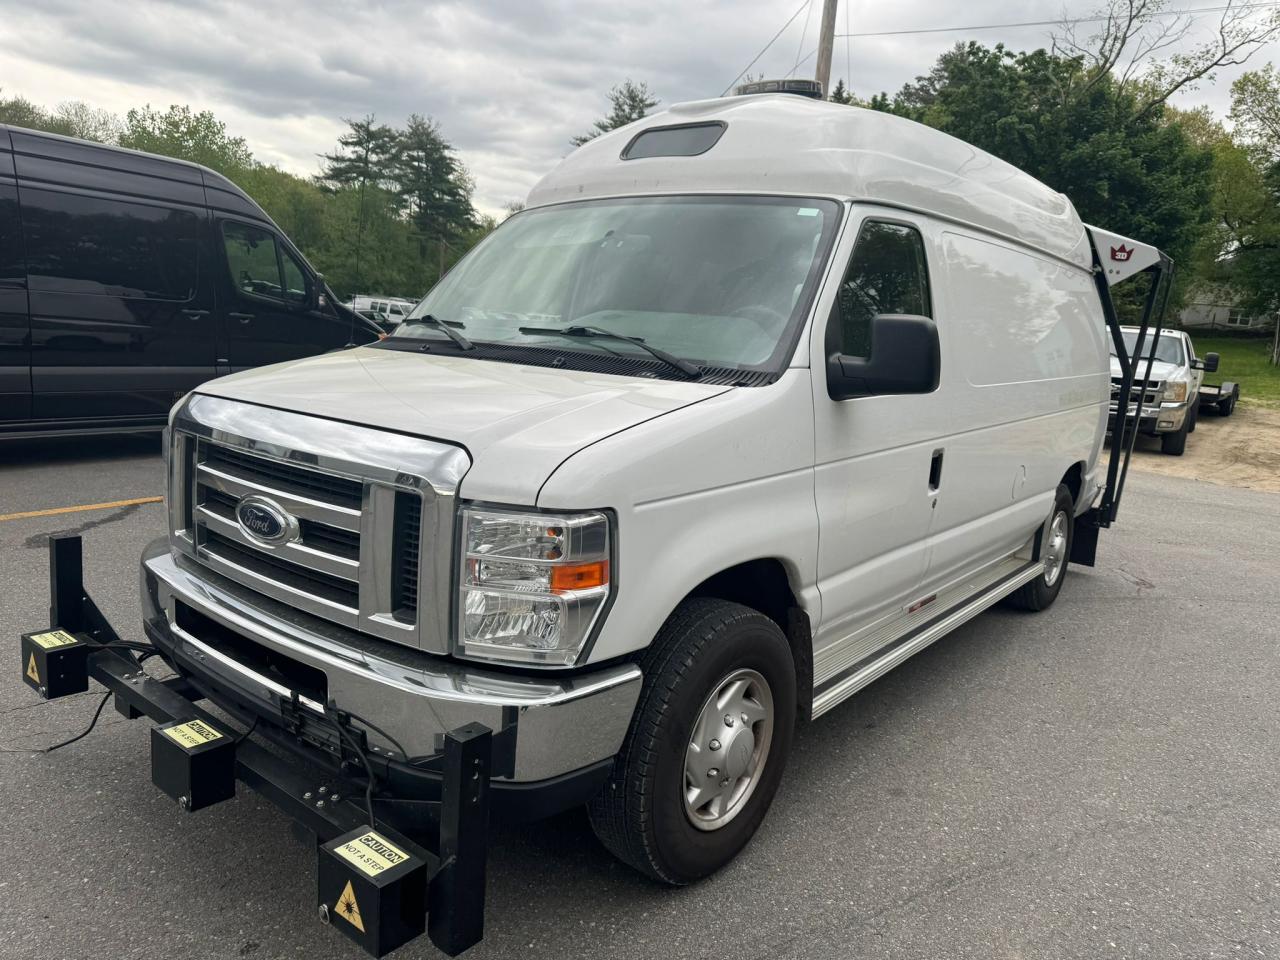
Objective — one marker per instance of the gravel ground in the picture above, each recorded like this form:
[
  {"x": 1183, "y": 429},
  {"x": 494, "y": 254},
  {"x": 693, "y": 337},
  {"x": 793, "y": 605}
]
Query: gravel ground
[{"x": 1100, "y": 780}]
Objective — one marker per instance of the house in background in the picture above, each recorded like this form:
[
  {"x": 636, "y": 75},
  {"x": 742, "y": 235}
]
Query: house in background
[{"x": 1213, "y": 306}]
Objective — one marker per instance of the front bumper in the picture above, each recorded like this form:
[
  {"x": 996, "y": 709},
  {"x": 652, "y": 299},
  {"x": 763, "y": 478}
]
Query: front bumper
[
  {"x": 284, "y": 665},
  {"x": 1154, "y": 419}
]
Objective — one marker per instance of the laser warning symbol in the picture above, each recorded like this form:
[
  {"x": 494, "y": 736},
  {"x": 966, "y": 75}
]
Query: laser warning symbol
[
  {"x": 348, "y": 909},
  {"x": 32, "y": 672}
]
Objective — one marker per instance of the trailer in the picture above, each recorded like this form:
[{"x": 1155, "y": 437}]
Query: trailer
[{"x": 1219, "y": 397}]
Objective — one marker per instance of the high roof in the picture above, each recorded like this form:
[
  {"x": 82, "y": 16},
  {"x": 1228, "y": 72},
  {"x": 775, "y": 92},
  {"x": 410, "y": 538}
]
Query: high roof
[{"x": 784, "y": 144}]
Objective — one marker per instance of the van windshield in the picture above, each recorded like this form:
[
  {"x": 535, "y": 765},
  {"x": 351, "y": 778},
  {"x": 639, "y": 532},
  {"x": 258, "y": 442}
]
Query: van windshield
[
  {"x": 718, "y": 281},
  {"x": 1167, "y": 350}
]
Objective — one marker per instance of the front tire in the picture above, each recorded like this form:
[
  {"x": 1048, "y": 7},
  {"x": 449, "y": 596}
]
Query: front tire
[
  {"x": 1055, "y": 550},
  {"x": 1175, "y": 444},
  {"x": 1193, "y": 414},
  {"x": 707, "y": 745}
]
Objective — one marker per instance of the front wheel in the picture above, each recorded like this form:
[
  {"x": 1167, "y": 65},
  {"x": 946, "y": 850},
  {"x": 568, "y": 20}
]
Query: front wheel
[
  {"x": 1193, "y": 414},
  {"x": 1175, "y": 444},
  {"x": 707, "y": 744},
  {"x": 1055, "y": 550}
]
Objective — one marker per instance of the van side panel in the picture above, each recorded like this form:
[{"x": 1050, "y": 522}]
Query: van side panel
[
  {"x": 15, "y": 325},
  {"x": 118, "y": 280},
  {"x": 1025, "y": 358}
]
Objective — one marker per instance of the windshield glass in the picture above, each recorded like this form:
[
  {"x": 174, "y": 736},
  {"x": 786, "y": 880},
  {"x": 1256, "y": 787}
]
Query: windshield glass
[
  {"x": 719, "y": 281},
  {"x": 1168, "y": 349}
]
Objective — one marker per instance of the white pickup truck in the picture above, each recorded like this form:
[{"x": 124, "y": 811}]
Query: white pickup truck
[
  {"x": 756, "y": 399},
  {"x": 1171, "y": 397}
]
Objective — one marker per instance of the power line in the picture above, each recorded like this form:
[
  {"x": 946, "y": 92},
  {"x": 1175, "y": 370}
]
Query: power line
[
  {"x": 1034, "y": 23},
  {"x": 799, "y": 10},
  {"x": 1055, "y": 23},
  {"x": 808, "y": 10}
]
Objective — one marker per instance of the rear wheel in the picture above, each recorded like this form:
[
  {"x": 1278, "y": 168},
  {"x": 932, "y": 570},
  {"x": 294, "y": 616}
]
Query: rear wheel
[
  {"x": 1055, "y": 549},
  {"x": 707, "y": 745}
]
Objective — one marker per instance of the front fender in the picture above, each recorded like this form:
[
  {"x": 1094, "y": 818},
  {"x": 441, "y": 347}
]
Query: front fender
[{"x": 697, "y": 491}]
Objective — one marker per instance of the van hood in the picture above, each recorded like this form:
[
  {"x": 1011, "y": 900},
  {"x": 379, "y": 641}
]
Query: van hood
[
  {"x": 518, "y": 423},
  {"x": 1160, "y": 370}
]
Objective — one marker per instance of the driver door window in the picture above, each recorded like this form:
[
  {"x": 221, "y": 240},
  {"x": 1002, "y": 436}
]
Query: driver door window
[
  {"x": 260, "y": 267},
  {"x": 886, "y": 275}
]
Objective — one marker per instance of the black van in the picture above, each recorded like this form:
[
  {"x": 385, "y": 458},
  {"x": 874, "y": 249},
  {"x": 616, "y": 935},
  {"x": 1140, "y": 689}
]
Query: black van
[{"x": 126, "y": 279}]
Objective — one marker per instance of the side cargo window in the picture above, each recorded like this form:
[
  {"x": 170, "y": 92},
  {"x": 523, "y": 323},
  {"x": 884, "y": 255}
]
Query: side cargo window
[{"x": 886, "y": 274}]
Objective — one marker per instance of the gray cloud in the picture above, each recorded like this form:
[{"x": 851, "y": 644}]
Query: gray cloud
[{"x": 510, "y": 82}]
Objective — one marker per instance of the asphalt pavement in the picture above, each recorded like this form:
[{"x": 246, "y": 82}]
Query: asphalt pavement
[{"x": 1099, "y": 780}]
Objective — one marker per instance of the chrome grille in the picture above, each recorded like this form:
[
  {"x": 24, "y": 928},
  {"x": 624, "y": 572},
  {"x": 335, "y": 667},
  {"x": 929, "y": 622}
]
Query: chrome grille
[
  {"x": 1152, "y": 395},
  {"x": 368, "y": 543}
]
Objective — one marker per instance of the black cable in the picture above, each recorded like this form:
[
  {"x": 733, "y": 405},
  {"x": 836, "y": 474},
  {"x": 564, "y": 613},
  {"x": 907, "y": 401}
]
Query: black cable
[
  {"x": 377, "y": 729},
  {"x": 344, "y": 737},
  {"x": 252, "y": 727}
]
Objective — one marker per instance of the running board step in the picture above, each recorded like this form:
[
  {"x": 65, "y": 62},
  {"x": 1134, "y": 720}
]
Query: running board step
[{"x": 916, "y": 638}]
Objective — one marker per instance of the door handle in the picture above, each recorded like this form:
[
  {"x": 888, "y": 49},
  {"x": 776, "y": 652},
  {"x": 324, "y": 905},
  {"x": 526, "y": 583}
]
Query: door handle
[
  {"x": 194, "y": 314},
  {"x": 242, "y": 317},
  {"x": 935, "y": 471}
]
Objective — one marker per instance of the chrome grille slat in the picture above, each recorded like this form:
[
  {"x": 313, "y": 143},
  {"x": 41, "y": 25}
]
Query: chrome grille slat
[
  {"x": 298, "y": 553},
  {"x": 369, "y": 536},
  {"x": 344, "y": 518}
]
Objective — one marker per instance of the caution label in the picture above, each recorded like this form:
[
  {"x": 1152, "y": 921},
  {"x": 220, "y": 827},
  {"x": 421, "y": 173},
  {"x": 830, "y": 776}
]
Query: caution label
[
  {"x": 54, "y": 639},
  {"x": 371, "y": 853},
  {"x": 348, "y": 909},
  {"x": 193, "y": 733},
  {"x": 32, "y": 670}
]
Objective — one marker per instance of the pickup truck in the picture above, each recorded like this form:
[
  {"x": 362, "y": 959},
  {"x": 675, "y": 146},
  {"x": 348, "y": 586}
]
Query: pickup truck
[{"x": 1172, "y": 396}]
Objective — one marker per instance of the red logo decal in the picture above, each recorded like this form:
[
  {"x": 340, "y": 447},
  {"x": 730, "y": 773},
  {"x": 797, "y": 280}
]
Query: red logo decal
[{"x": 1121, "y": 253}]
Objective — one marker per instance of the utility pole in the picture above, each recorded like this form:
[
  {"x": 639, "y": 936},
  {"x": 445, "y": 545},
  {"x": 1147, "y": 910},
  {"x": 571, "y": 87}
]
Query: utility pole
[{"x": 826, "y": 41}]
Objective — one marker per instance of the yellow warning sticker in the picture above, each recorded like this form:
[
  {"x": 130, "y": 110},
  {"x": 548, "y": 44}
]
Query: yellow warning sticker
[
  {"x": 54, "y": 639},
  {"x": 348, "y": 909},
  {"x": 32, "y": 671},
  {"x": 372, "y": 853},
  {"x": 193, "y": 733}
]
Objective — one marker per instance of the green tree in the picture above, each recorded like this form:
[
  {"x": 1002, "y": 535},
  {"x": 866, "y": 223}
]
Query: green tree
[
  {"x": 434, "y": 187},
  {"x": 1255, "y": 109},
  {"x": 842, "y": 94},
  {"x": 628, "y": 102},
  {"x": 180, "y": 132},
  {"x": 366, "y": 154}
]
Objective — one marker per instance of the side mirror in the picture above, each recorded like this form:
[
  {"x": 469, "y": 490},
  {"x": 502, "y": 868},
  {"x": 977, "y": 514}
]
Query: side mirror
[
  {"x": 1210, "y": 362},
  {"x": 905, "y": 358}
]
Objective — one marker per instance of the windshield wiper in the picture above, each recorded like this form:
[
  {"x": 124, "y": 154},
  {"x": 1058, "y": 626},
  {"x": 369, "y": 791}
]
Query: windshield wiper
[
  {"x": 445, "y": 327},
  {"x": 588, "y": 333}
]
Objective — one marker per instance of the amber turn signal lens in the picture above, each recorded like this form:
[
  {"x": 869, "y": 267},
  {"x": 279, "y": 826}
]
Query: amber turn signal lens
[{"x": 580, "y": 576}]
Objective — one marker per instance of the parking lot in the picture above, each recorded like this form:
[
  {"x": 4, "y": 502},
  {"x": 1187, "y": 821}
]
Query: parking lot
[{"x": 1097, "y": 781}]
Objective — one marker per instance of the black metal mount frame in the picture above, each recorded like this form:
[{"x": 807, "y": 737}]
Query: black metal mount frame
[
  {"x": 1124, "y": 431},
  {"x": 456, "y": 856}
]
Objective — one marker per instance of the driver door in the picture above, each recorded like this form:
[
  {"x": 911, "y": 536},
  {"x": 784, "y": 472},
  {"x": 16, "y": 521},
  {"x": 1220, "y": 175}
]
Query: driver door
[{"x": 269, "y": 300}]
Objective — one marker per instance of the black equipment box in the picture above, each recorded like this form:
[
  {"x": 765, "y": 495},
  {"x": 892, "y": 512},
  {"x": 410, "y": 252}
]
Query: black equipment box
[
  {"x": 193, "y": 762},
  {"x": 55, "y": 663},
  {"x": 372, "y": 885}
]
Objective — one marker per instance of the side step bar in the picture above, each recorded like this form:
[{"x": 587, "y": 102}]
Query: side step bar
[{"x": 915, "y": 640}]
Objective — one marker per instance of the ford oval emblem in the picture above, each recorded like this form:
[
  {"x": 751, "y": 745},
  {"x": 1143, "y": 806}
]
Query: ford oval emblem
[{"x": 265, "y": 521}]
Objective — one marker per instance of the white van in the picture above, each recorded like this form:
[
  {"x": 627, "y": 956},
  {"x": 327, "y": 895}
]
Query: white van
[{"x": 757, "y": 398}]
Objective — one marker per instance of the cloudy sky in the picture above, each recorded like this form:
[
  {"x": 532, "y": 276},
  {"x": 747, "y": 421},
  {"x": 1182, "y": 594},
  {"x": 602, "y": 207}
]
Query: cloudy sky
[{"x": 510, "y": 81}]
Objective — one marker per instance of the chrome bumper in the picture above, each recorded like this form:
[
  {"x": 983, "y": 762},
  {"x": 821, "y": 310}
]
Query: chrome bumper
[{"x": 562, "y": 724}]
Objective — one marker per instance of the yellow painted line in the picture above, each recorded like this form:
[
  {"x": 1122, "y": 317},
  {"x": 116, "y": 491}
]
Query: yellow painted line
[{"x": 86, "y": 506}]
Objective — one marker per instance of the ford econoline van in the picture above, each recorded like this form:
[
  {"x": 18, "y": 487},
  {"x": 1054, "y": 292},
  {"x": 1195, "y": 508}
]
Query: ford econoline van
[
  {"x": 757, "y": 398},
  {"x": 128, "y": 279}
]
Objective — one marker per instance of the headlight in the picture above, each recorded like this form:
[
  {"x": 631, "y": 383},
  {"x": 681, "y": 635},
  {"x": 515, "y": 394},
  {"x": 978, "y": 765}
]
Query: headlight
[
  {"x": 1175, "y": 391},
  {"x": 531, "y": 584}
]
